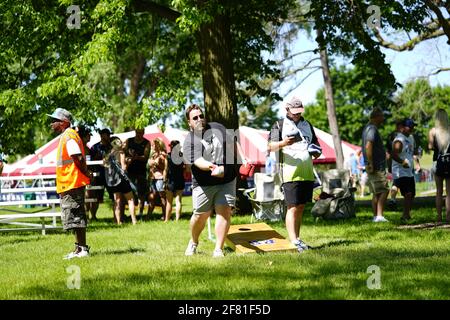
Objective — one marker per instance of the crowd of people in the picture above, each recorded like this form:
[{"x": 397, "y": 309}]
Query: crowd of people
[
  {"x": 138, "y": 170},
  {"x": 134, "y": 172},
  {"x": 400, "y": 157}
]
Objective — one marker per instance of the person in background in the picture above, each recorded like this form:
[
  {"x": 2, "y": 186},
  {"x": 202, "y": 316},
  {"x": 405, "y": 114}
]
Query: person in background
[
  {"x": 158, "y": 173},
  {"x": 392, "y": 203},
  {"x": 117, "y": 180},
  {"x": 1, "y": 169},
  {"x": 362, "y": 174},
  {"x": 438, "y": 141},
  {"x": 72, "y": 177},
  {"x": 1, "y": 164},
  {"x": 297, "y": 143},
  {"x": 353, "y": 168},
  {"x": 175, "y": 180},
  {"x": 98, "y": 152},
  {"x": 137, "y": 151},
  {"x": 85, "y": 135},
  {"x": 375, "y": 163},
  {"x": 403, "y": 161}
]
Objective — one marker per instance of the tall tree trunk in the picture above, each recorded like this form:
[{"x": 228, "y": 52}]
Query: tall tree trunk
[
  {"x": 331, "y": 108},
  {"x": 214, "y": 43},
  {"x": 136, "y": 77}
]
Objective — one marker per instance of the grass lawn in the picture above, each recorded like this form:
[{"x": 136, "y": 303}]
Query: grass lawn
[{"x": 147, "y": 261}]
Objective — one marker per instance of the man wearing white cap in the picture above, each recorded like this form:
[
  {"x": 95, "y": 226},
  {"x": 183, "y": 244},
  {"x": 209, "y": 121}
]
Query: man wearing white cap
[
  {"x": 72, "y": 176},
  {"x": 296, "y": 140}
]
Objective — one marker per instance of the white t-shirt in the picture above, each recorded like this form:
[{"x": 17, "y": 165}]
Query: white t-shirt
[
  {"x": 407, "y": 153},
  {"x": 72, "y": 147}
]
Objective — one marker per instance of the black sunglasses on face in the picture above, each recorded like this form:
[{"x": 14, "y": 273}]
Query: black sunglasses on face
[
  {"x": 55, "y": 120},
  {"x": 201, "y": 116}
]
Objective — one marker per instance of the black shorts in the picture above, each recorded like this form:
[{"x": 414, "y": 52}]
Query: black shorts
[
  {"x": 73, "y": 212},
  {"x": 174, "y": 186},
  {"x": 123, "y": 187},
  {"x": 297, "y": 192},
  {"x": 406, "y": 185},
  {"x": 141, "y": 183}
]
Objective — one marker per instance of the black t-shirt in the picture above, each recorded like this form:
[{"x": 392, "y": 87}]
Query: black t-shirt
[
  {"x": 134, "y": 148},
  {"x": 175, "y": 171},
  {"x": 97, "y": 152},
  {"x": 213, "y": 144}
]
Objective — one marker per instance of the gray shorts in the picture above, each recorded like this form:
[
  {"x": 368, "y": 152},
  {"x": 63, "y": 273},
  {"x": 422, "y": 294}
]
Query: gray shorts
[
  {"x": 73, "y": 212},
  {"x": 204, "y": 198}
]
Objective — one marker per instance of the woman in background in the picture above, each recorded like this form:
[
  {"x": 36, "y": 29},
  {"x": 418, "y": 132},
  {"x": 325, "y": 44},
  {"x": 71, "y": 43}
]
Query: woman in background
[
  {"x": 117, "y": 180},
  {"x": 175, "y": 180},
  {"x": 158, "y": 172},
  {"x": 438, "y": 141}
]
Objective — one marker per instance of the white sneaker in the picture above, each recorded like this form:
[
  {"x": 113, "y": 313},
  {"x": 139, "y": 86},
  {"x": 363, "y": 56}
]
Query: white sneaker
[
  {"x": 218, "y": 253},
  {"x": 380, "y": 219},
  {"x": 80, "y": 252},
  {"x": 191, "y": 248},
  {"x": 301, "y": 246}
]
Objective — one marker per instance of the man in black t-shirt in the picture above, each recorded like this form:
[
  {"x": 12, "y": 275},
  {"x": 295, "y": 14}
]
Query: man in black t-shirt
[
  {"x": 212, "y": 154},
  {"x": 137, "y": 151},
  {"x": 98, "y": 152}
]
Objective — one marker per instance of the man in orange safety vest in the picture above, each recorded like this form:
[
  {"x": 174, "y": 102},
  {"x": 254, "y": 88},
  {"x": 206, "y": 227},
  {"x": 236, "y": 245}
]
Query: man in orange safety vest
[{"x": 72, "y": 176}]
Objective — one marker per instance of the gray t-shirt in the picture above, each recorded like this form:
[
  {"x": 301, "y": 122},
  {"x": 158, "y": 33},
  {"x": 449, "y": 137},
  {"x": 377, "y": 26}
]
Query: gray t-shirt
[{"x": 370, "y": 133}]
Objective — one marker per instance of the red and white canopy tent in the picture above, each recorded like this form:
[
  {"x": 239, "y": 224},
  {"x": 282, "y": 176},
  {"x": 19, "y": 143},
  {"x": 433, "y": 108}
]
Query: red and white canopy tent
[
  {"x": 253, "y": 143},
  {"x": 43, "y": 161}
]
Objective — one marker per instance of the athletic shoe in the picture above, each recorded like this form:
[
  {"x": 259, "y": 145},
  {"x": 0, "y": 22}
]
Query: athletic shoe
[
  {"x": 218, "y": 253},
  {"x": 191, "y": 248},
  {"x": 301, "y": 246},
  {"x": 80, "y": 252},
  {"x": 380, "y": 219}
]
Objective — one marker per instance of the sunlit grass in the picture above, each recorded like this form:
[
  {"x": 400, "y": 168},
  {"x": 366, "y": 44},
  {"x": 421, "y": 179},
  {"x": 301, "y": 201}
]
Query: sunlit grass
[{"x": 147, "y": 261}]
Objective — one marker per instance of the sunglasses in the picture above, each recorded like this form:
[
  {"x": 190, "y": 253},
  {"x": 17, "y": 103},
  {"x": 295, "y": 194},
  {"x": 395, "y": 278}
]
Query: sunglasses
[
  {"x": 56, "y": 120},
  {"x": 201, "y": 116}
]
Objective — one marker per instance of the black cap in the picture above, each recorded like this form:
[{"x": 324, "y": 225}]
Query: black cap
[
  {"x": 105, "y": 130},
  {"x": 409, "y": 123}
]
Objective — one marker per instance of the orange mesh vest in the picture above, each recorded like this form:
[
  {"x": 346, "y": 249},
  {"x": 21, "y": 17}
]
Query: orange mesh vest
[{"x": 68, "y": 176}]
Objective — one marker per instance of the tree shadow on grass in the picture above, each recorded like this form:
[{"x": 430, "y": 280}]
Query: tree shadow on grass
[
  {"x": 343, "y": 242},
  {"x": 6, "y": 242},
  {"x": 117, "y": 251}
]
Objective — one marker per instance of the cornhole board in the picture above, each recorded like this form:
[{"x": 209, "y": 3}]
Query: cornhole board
[{"x": 256, "y": 237}]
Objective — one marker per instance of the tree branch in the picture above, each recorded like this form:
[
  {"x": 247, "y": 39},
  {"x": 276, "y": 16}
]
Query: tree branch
[
  {"x": 294, "y": 55},
  {"x": 411, "y": 43},
  {"x": 439, "y": 71},
  {"x": 301, "y": 81},
  {"x": 152, "y": 7},
  {"x": 443, "y": 22}
]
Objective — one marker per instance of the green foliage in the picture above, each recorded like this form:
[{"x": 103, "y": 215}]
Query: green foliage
[
  {"x": 355, "y": 94},
  {"x": 122, "y": 67},
  {"x": 419, "y": 101}
]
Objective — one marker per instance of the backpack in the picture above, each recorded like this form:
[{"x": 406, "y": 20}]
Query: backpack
[{"x": 443, "y": 163}]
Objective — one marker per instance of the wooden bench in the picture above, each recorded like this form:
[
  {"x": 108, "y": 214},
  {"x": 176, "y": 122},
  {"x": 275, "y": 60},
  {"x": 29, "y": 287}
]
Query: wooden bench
[
  {"x": 20, "y": 215},
  {"x": 28, "y": 226}
]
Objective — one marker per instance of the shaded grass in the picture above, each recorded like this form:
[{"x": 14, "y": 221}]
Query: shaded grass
[{"x": 147, "y": 261}]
